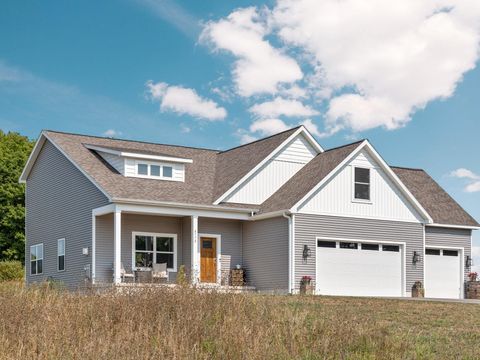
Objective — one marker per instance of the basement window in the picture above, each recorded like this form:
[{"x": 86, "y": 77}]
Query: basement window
[{"x": 362, "y": 184}]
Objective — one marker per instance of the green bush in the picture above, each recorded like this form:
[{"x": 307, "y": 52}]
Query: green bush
[{"x": 11, "y": 270}]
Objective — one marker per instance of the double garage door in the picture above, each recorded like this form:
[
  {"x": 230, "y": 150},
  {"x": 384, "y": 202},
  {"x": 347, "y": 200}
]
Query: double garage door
[
  {"x": 377, "y": 269},
  {"x": 359, "y": 269}
]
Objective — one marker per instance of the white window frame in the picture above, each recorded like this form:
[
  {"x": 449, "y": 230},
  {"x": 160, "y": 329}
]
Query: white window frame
[
  {"x": 58, "y": 255},
  {"x": 363, "y": 201},
  {"x": 154, "y": 251},
  {"x": 149, "y": 164},
  {"x": 36, "y": 261}
]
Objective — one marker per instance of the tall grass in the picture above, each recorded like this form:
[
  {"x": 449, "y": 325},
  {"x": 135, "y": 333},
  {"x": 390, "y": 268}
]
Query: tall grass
[{"x": 186, "y": 324}]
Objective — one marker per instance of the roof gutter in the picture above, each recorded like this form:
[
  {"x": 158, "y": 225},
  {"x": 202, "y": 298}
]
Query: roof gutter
[
  {"x": 269, "y": 215},
  {"x": 466, "y": 227},
  {"x": 182, "y": 205}
]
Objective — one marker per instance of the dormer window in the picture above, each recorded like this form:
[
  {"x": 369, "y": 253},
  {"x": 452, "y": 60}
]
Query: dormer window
[
  {"x": 362, "y": 184},
  {"x": 153, "y": 170}
]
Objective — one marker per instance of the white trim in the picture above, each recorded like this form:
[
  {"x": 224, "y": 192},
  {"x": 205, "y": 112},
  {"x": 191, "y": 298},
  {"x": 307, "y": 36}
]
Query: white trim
[
  {"x": 424, "y": 253},
  {"x": 103, "y": 210},
  {"x": 154, "y": 250},
  {"x": 194, "y": 258},
  {"x": 218, "y": 239},
  {"x": 356, "y": 216},
  {"x": 35, "y": 153},
  {"x": 139, "y": 155},
  {"x": 300, "y": 130},
  {"x": 94, "y": 244},
  {"x": 30, "y": 259},
  {"x": 117, "y": 246},
  {"x": 362, "y": 201},
  {"x": 269, "y": 215},
  {"x": 462, "y": 264},
  {"x": 403, "y": 245},
  {"x": 383, "y": 165},
  {"x": 161, "y": 166},
  {"x": 64, "y": 255},
  {"x": 466, "y": 227},
  {"x": 290, "y": 251}
]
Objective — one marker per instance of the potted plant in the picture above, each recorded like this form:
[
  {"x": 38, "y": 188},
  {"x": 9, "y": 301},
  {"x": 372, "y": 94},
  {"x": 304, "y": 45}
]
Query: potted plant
[
  {"x": 417, "y": 290},
  {"x": 306, "y": 286},
  {"x": 472, "y": 276}
]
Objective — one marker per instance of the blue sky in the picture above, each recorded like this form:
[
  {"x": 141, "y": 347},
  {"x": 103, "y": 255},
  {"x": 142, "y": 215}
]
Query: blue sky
[{"x": 214, "y": 75}]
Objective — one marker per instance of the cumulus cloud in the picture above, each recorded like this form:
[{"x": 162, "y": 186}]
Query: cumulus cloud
[
  {"x": 267, "y": 127},
  {"x": 312, "y": 127},
  {"x": 280, "y": 106},
  {"x": 259, "y": 67},
  {"x": 473, "y": 180},
  {"x": 185, "y": 101},
  {"x": 112, "y": 133},
  {"x": 387, "y": 59}
]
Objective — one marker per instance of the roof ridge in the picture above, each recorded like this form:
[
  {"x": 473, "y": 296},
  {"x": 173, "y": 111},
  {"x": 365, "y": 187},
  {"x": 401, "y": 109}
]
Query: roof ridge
[
  {"x": 262, "y": 139},
  {"x": 406, "y": 168},
  {"x": 342, "y": 146},
  {"x": 129, "y": 140}
]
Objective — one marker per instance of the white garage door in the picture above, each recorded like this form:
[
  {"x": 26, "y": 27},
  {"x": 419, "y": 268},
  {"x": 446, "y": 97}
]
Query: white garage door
[
  {"x": 358, "y": 269},
  {"x": 442, "y": 273}
]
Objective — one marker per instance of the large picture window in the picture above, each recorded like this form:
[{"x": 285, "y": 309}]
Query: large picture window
[
  {"x": 36, "y": 259},
  {"x": 152, "y": 249},
  {"x": 362, "y": 184}
]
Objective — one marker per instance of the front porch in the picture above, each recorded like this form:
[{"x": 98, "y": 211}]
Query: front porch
[{"x": 131, "y": 242}]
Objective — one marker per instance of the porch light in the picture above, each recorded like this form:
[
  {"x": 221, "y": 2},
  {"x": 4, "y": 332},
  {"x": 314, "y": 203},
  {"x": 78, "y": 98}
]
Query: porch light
[
  {"x": 416, "y": 257},
  {"x": 468, "y": 261},
  {"x": 306, "y": 252}
]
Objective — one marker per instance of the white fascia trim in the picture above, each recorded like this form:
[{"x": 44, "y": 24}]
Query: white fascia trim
[
  {"x": 32, "y": 158},
  {"x": 184, "y": 205},
  {"x": 138, "y": 155},
  {"x": 270, "y": 215},
  {"x": 36, "y": 151},
  {"x": 384, "y": 166},
  {"x": 301, "y": 130},
  {"x": 466, "y": 227}
]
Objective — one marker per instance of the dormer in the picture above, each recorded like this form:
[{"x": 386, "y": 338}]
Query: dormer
[{"x": 143, "y": 164}]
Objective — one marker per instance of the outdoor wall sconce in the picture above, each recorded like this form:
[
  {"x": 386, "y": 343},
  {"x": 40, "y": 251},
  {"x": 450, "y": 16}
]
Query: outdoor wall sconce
[
  {"x": 306, "y": 252},
  {"x": 416, "y": 257},
  {"x": 468, "y": 261}
]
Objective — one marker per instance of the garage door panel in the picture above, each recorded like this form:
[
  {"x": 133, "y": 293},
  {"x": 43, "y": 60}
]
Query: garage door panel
[
  {"x": 442, "y": 276},
  {"x": 356, "y": 272}
]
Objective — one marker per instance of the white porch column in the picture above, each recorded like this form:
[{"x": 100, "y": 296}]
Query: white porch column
[
  {"x": 117, "y": 245},
  {"x": 195, "y": 258}
]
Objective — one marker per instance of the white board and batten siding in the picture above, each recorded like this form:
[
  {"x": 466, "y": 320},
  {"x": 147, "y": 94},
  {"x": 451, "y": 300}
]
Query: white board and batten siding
[
  {"x": 127, "y": 166},
  {"x": 336, "y": 196},
  {"x": 276, "y": 172}
]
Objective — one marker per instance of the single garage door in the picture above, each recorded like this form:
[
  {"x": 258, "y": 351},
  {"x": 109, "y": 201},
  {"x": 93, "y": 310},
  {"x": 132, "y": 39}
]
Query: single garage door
[
  {"x": 442, "y": 273},
  {"x": 358, "y": 269}
]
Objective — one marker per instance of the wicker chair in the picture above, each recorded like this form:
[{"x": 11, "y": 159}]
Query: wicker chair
[{"x": 160, "y": 272}]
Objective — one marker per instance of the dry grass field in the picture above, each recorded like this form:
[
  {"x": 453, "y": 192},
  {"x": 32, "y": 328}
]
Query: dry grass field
[{"x": 187, "y": 324}]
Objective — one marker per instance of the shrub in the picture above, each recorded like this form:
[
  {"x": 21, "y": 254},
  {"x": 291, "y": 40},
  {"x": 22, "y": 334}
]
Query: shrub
[
  {"x": 182, "y": 276},
  {"x": 11, "y": 270}
]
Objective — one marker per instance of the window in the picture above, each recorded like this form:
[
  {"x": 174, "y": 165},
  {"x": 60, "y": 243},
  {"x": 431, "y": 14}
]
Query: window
[
  {"x": 61, "y": 254},
  {"x": 348, "y": 245},
  {"x": 152, "y": 249},
  {"x": 374, "y": 247},
  {"x": 450, "y": 253},
  {"x": 432, "y": 252},
  {"x": 155, "y": 170},
  {"x": 36, "y": 259},
  {"x": 393, "y": 248},
  {"x": 326, "y": 244},
  {"x": 167, "y": 171},
  {"x": 142, "y": 169},
  {"x": 362, "y": 184}
]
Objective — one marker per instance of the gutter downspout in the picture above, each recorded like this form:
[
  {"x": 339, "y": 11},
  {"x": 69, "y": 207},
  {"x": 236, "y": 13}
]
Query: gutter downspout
[{"x": 290, "y": 251}]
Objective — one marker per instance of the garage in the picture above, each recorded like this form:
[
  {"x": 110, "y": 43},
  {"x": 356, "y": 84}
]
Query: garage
[
  {"x": 443, "y": 273},
  {"x": 359, "y": 268}
]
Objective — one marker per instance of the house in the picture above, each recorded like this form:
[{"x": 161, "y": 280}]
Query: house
[{"x": 281, "y": 207}]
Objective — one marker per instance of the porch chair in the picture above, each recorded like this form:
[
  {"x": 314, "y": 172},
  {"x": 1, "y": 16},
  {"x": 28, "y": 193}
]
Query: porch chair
[
  {"x": 125, "y": 275},
  {"x": 160, "y": 272}
]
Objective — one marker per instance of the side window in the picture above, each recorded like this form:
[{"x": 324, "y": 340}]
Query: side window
[
  {"x": 362, "y": 184},
  {"x": 61, "y": 254},
  {"x": 36, "y": 259}
]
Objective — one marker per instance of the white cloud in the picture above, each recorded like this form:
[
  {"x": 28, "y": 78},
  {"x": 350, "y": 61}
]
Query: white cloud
[
  {"x": 386, "y": 58},
  {"x": 473, "y": 179},
  {"x": 280, "y": 106},
  {"x": 185, "y": 101},
  {"x": 244, "y": 136},
  {"x": 112, "y": 133},
  {"x": 259, "y": 67},
  {"x": 312, "y": 127},
  {"x": 267, "y": 127}
]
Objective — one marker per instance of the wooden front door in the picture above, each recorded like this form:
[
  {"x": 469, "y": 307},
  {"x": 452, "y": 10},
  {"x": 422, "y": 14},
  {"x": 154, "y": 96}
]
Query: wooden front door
[{"x": 208, "y": 260}]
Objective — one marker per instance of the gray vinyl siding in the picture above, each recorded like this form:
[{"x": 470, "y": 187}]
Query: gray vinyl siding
[
  {"x": 265, "y": 253},
  {"x": 59, "y": 202},
  {"x": 437, "y": 236},
  {"x": 231, "y": 239},
  {"x": 308, "y": 227},
  {"x": 131, "y": 223}
]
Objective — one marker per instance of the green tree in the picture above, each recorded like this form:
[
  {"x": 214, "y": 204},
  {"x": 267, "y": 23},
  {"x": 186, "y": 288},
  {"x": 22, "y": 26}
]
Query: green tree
[{"x": 14, "y": 151}]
